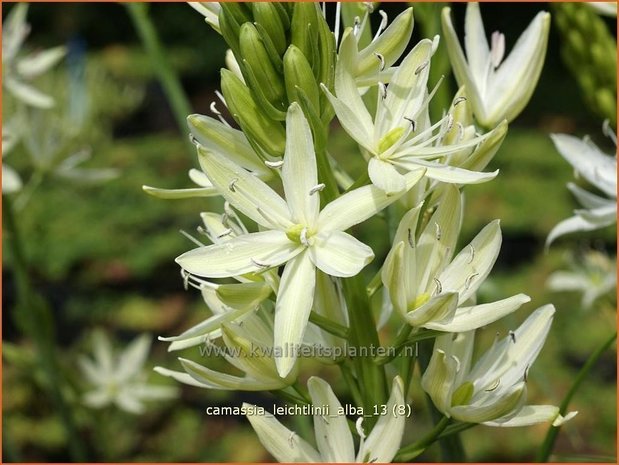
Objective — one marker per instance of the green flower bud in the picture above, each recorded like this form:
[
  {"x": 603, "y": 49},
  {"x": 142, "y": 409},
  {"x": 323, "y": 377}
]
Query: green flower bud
[
  {"x": 267, "y": 16},
  {"x": 304, "y": 31},
  {"x": 298, "y": 72},
  {"x": 264, "y": 134}
]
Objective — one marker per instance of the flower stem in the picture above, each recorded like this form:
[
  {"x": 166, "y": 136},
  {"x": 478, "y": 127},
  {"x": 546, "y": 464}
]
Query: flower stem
[
  {"x": 553, "y": 431},
  {"x": 34, "y": 317},
  {"x": 168, "y": 78},
  {"x": 329, "y": 326},
  {"x": 413, "y": 450},
  {"x": 403, "y": 340}
]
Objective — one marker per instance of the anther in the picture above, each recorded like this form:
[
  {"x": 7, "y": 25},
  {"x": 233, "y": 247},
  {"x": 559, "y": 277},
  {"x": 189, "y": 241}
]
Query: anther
[
  {"x": 409, "y": 237},
  {"x": 355, "y": 29},
  {"x": 291, "y": 439},
  {"x": 317, "y": 188},
  {"x": 494, "y": 386},
  {"x": 261, "y": 265},
  {"x": 526, "y": 374},
  {"x": 438, "y": 231},
  {"x": 439, "y": 286},
  {"x": 381, "y": 59},
  {"x": 185, "y": 279},
  {"x": 457, "y": 360},
  {"x": 274, "y": 164},
  {"x": 459, "y": 100},
  {"x": 472, "y": 254},
  {"x": 227, "y": 232},
  {"x": 359, "y": 427},
  {"x": 214, "y": 109},
  {"x": 412, "y": 121},
  {"x": 382, "y": 88},
  {"x": 469, "y": 280},
  {"x": 421, "y": 67},
  {"x": 232, "y": 183},
  {"x": 512, "y": 335},
  {"x": 193, "y": 139},
  {"x": 303, "y": 237}
]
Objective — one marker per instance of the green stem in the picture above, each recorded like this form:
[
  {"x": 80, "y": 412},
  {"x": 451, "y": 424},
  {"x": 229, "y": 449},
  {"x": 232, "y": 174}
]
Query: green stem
[
  {"x": 553, "y": 431},
  {"x": 404, "y": 341},
  {"x": 455, "y": 429},
  {"x": 289, "y": 397},
  {"x": 165, "y": 72},
  {"x": 326, "y": 176},
  {"x": 34, "y": 317},
  {"x": 413, "y": 450},
  {"x": 329, "y": 326},
  {"x": 351, "y": 382}
]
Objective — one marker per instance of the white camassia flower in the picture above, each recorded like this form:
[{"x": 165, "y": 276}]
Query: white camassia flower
[
  {"x": 295, "y": 231},
  {"x": 249, "y": 348},
  {"x": 498, "y": 89},
  {"x": 594, "y": 275},
  {"x": 596, "y": 168},
  {"x": 493, "y": 390},
  {"x": 120, "y": 378},
  {"x": 400, "y": 138},
  {"x": 18, "y": 70},
  {"x": 430, "y": 287},
  {"x": 334, "y": 440}
]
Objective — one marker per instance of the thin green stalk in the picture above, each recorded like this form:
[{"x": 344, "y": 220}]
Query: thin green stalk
[
  {"x": 553, "y": 431},
  {"x": 456, "y": 428},
  {"x": 351, "y": 382},
  {"x": 165, "y": 72},
  {"x": 326, "y": 176},
  {"x": 35, "y": 318},
  {"x": 408, "y": 341},
  {"x": 289, "y": 397},
  {"x": 415, "y": 449},
  {"x": 329, "y": 326}
]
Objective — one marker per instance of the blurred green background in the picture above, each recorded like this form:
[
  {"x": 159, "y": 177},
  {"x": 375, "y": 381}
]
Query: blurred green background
[{"x": 104, "y": 255}]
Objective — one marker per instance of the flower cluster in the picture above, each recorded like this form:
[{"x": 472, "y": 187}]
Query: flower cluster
[{"x": 289, "y": 205}]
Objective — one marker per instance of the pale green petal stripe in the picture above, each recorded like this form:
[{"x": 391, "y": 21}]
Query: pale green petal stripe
[
  {"x": 240, "y": 255},
  {"x": 528, "y": 415},
  {"x": 283, "y": 444},
  {"x": 360, "y": 204},
  {"x": 385, "y": 176},
  {"x": 333, "y": 437},
  {"x": 294, "y": 303},
  {"x": 245, "y": 191},
  {"x": 225, "y": 381},
  {"x": 475, "y": 42},
  {"x": 340, "y": 254},
  {"x": 299, "y": 172}
]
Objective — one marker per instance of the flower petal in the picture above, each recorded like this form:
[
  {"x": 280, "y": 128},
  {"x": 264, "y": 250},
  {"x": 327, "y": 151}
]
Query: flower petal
[
  {"x": 360, "y": 204},
  {"x": 385, "y": 176},
  {"x": 175, "y": 194},
  {"x": 245, "y": 191},
  {"x": 333, "y": 437},
  {"x": 292, "y": 309},
  {"x": 281, "y": 443},
  {"x": 529, "y": 415},
  {"x": 475, "y": 42},
  {"x": 340, "y": 254},
  {"x": 226, "y": 382},
  {"x": 240, "y": 255},
  {"x": 299, "y": 172}
]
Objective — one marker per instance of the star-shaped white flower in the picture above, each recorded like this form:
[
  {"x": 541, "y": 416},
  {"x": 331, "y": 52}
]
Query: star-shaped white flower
[
  {"x": 493, "y": 390},
  {"x": 498, "y": 89},
  {"x": 596, "y": 168},
  {"x": 295, "y": 231},
  {"x": 334, "y": 440}
]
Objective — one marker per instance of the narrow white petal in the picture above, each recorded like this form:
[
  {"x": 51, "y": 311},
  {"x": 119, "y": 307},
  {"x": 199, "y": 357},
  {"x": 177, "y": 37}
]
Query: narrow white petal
[
  {"x": 182, "y": 377},
  {"x": 475, "y": 42},
  {"x": 567, "y": 281},
  {"x": 360, "y": 204},
  {"x": 245, "y": 191},
  {"x": 283, "y": 444},
  {"x": 299, "y": 172},
  {"x": 294, "y": 303},
  {"x": 38, "y": 63},
  {"x": 175, "y": 194},
  {"x": 384, "y": 441},
  {"x": 494, "y": 406},
  {"x": 468, "y": 318},
  {"x": 11, "y": 182},
  {"x": 385, "y": 176},
  {"x": 339, "y": 254},
  {"x": 528, "y": 415},
  {"x": 133, "y": 357},
  {"x": 240, "y": 255},
  {"x": 333, "y": 437},
  {"x": 574, "y": 224},
  {"x": 449, "y": 174},
  {"x": 586, "y": 198},
  {"x": 127, "y": 401},
  {"x": 223, "y": 381},
  {"x": 438, "y": 308},
  {"x": 28, "y": 94},
  {"x": 98, "y": 398}
]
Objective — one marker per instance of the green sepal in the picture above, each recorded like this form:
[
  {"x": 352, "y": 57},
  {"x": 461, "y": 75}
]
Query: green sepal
[{"x": 267, "y": 16}]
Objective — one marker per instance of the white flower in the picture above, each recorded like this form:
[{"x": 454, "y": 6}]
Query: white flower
[
  {"x": 596, "y": 168},
  {"x": 11, "y": 181},
  {"x": 594, "y": 275},
  {"x": 17, "y": 70},
  {"x": 400, "y": 137},
  {"x": 430, "y": 287},
  {"x": 294, "y": 231},
  {"x": 493, "y": 390},
  {"x": 334, "y": 440},
  {"x": 248, "y": 347},
  {"x": 120, "y": 379},
  {"x": 604, "y": 8},
  {"x": 498, "y": 89},
  {"x": 210, "y": 11}
]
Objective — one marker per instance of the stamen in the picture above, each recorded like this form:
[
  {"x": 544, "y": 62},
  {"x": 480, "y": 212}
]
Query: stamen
[
  {"x": 412, "y": 121},
  {"x": 439, "y": 286},
  {"x": 185, "y": 279},
  {"x": 303, "y": 237},
  {"x": 274, "y": 164},
  {"x": 193, "y": 139},
  {"x": 438, "y": 231},
  {"x": 214, "y": 109},
  {"x": 457, "y": 360},
  {"x": 382, "y": 88},
  {"x": 324, "y": 418},
  {"x": 608, "y": 131},
  {"x": 355, "y": 29},
  {"x": 317, "y": 188},
  {"x": 494, "y": 386},
  {"x": 381, "y": 59},
  {"x": 232, "y": 183},
  {"x": 369, "y": 6},
  {"x": 192, "y": 239},
  {"x": 382, "y": 25},
  {"x": 460, "y": 135},
  {"x": 525, "y": 376},
  {"x": 291, "y": 439},
  {"x": 512, "y": 335},
  {"x": 359, "y": 427},
  {"x": 421, "y": 67},
  {"x": 338, "y": 15}
]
